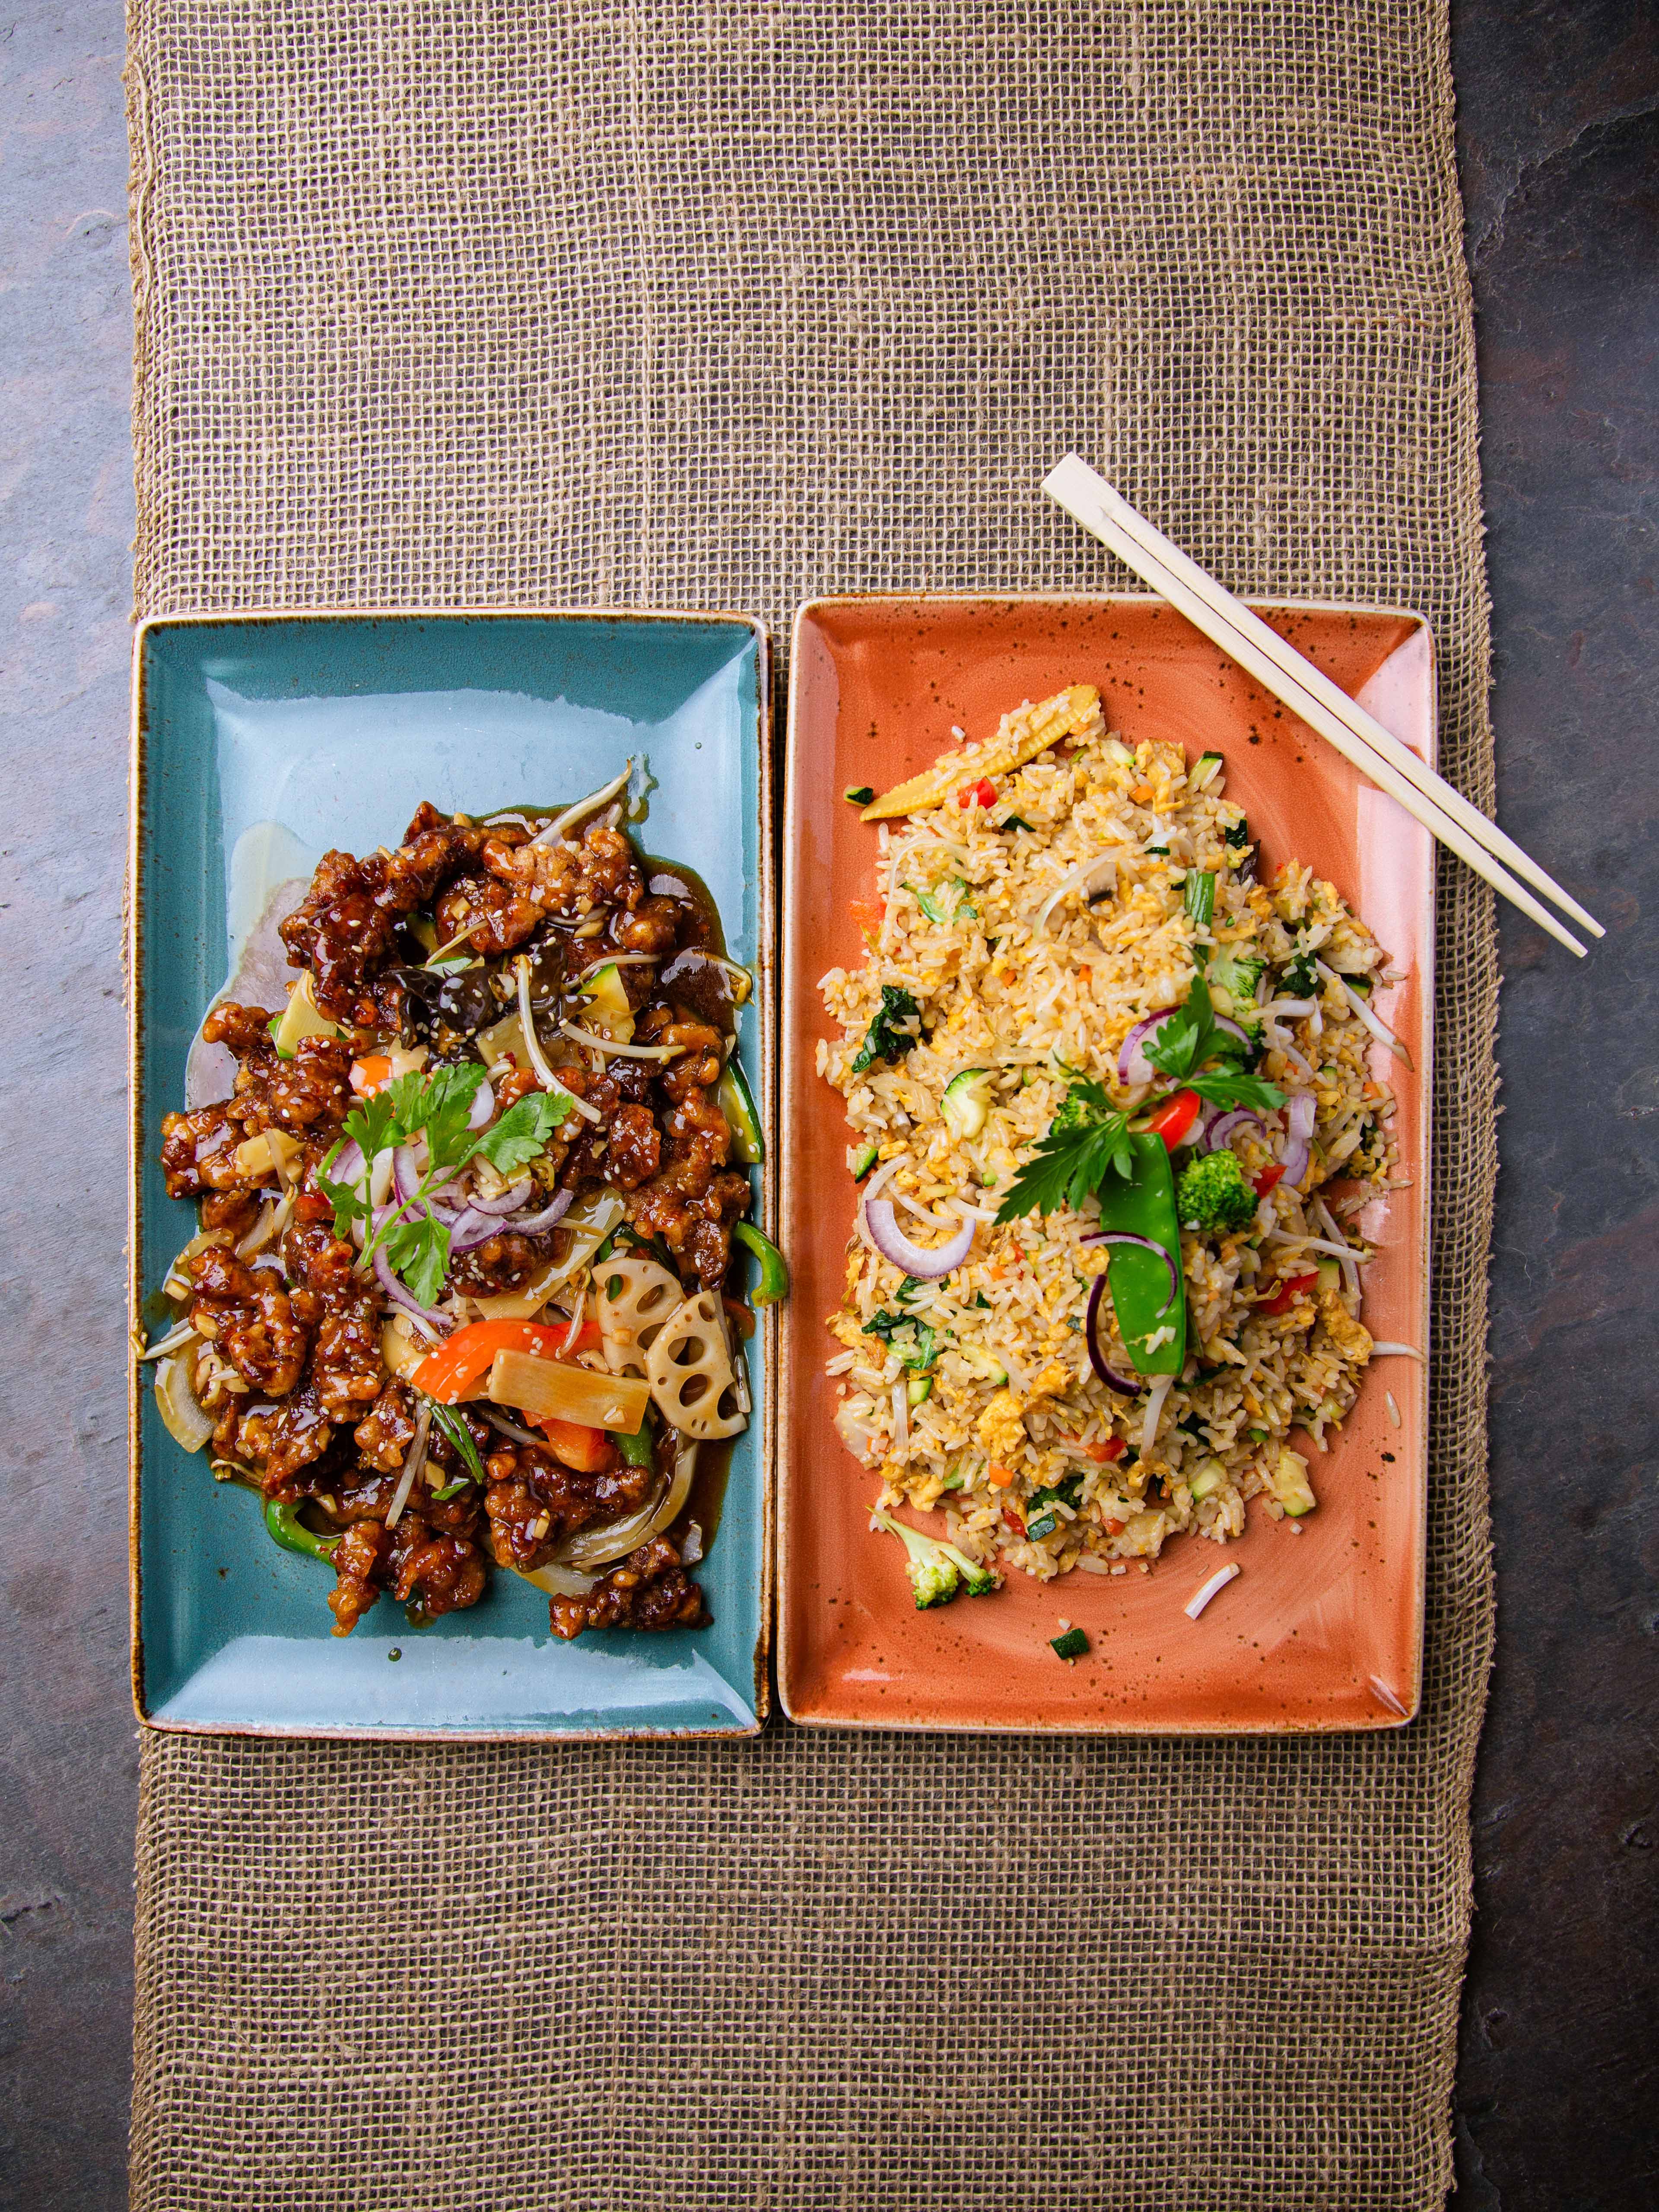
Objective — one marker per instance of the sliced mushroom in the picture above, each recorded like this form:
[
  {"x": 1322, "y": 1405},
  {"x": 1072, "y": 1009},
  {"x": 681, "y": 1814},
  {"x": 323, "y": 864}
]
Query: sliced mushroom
[
  {"x": 691, "y": 1371},
  {"x": 636, "y": 1298}
]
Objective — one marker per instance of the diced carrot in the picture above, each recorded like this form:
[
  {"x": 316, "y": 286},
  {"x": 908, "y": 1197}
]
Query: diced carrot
[
  {"x": 1115, "y": 1528},
  {"x": 1111, "y": 1449},
  {"x": 1142, "y": 795},
  {"x": 369, "y": 1074},
  {"x": 1000, "y": 1476},
  {"x": 868, "y": 914}
]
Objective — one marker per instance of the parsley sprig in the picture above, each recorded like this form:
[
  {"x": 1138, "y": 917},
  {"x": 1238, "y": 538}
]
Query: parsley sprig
[
  {"x": 1184, "y": 1047},
  {"x": 437, "y": 1106},
  {"x": 1088, "y": 1138}
]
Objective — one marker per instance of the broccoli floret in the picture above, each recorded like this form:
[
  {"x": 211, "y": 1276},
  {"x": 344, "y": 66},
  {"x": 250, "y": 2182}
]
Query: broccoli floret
[
  {"x": 1235, "y": 974},
  {"x": 937, "y": 1569},
  {"x": 1213, "y": 1194}
]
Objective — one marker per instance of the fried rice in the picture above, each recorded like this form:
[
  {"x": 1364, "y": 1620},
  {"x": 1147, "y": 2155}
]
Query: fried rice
[{"x": 1034, "y": 910}]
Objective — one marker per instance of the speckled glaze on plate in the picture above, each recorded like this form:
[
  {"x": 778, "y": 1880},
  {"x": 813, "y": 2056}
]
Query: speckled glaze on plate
[
  {"x": 282, "y": 734},
  {"x": 1322, "y": 1630}
]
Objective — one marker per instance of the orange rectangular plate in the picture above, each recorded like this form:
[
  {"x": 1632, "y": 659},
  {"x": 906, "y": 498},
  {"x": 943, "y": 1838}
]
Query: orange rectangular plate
[{"x": 1322, "y": 1629}]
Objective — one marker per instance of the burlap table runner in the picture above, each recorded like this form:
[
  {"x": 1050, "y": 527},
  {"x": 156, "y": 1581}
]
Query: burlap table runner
[{"x": 717, "y": 306}]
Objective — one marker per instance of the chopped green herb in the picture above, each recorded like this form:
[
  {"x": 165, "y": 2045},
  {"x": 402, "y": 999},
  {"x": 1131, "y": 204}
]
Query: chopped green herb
[
  {"x": 886, "y": 1038},
  {"x": 1015, "y": 822},
  {"x": 1300, "y": 979},
  {"x": 1087, "y": 1139},
  {"x": 1181, "y": 1048},
  {"x": 910, "y": 1340},
  {"x": 1071, "y": 1645},
  {"x": 1237, "y": 833},
  {"x": 439, "y": 1105},
  {"x": 453, "y": 1426}
]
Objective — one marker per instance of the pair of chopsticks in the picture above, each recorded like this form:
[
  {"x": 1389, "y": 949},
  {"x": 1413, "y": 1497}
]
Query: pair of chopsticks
[{"x": 1358, "y": 736}]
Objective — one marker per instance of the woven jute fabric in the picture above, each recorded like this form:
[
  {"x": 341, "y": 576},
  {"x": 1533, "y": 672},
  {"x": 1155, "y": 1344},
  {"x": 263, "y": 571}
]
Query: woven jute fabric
[{"x": 720, "y": 305}]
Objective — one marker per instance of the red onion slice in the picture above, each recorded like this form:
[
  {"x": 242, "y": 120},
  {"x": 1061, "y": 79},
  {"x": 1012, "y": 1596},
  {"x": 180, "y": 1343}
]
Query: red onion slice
[
  {"x": 893, "y": 1244},
  {"x": 423, "y": 1318},
  {"x": 1232, "y": 1029},
  {"x": 506, "y": 1201},
  {"x": 532, "y": 1224},
  {"x": 1132, "y": 1065},
  {"x": 348, "y": 1163},
  {"x": 1108, "y": 1375},
  {"x": 1299, "y": 1127},
  {"x": 405, "y": 1173},
  {"x": 483, "y": 1105},
  {"x": 1220, "y": 1132},
  {"x": 1145, "y": 1245}
]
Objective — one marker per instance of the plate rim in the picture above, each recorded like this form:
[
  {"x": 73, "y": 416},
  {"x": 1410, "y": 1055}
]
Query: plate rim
[
  {"x": 132, "y": 948},
  {"x": 789, "y": 1047}
]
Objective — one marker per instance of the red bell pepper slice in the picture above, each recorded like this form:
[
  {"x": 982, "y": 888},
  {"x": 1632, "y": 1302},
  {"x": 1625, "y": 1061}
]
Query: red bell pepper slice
[
  {"x": 1289, "y": 1290},
  {"x": 451, "y": 1371},
  {"x": 1175, "y": 1117},
  {"x": 983, "y": 793}
]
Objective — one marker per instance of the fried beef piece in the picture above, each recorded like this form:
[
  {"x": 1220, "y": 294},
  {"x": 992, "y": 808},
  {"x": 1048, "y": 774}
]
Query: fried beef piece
[
  {"x": 294, "y": 1438},
  {"x": 535, "y": 1501},
  {"x": 346, "y": 1369},
  {"x": 654, "y": 925},
  {"x": 567, "y": 880},
  {"x": 249, "y": 1314},
  {"x": 244, "y": 1029},
  {"x": 504, "y": 1262},
  {"x": 199, "y": 1150},
  {"x": 312, "y": 1090},
  {"x": 649, "y": 1590},
  {"x": 498, "y": 914},
  {"x": 693, "y": 1199},
  {"x": 358, "y": 1559},
  {"x": 634, "y": 1150},
  {"x": 346, "y": 929},
  {"x": 434, "y": 1572},
  {"x": 306, "y": 1096},
  {"x": 387, "y": 1431},
  {"x": 234, "y": 1210}
]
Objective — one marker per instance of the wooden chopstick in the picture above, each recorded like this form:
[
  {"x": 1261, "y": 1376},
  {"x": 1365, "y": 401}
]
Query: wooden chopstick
[{"x": 1356, "y": 734}]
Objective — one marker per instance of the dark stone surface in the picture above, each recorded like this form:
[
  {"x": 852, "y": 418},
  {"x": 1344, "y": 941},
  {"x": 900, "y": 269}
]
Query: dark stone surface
[
  {"x": 1560, "y": 148},
  {"x": 1559, "y": 142},
  {"x": 69, "y": 1760}
]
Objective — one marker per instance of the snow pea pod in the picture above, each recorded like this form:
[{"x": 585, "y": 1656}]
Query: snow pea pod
[{"x": 1152, "y": 1322}]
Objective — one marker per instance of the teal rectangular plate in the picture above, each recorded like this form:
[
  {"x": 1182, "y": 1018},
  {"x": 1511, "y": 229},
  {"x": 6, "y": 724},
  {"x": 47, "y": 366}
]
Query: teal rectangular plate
[{"x": 334, "y": 727}]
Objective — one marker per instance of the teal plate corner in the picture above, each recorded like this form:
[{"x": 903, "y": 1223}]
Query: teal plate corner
[{"x": 333, "y": 727}]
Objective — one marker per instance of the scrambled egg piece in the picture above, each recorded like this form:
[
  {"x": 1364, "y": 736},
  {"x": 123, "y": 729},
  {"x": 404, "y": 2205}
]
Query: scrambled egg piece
[
  {"x": 1001, "y": 1427},
  {"x": 1352, "y": 1338}
]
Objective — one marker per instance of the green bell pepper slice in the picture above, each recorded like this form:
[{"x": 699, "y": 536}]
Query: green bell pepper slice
[
  {"x": 1144, "y": 1205},
  {"x": 283, "y": 1524},
  {"x": 640, "y": 1449},
  {"x": 774, "y": 1282}
]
